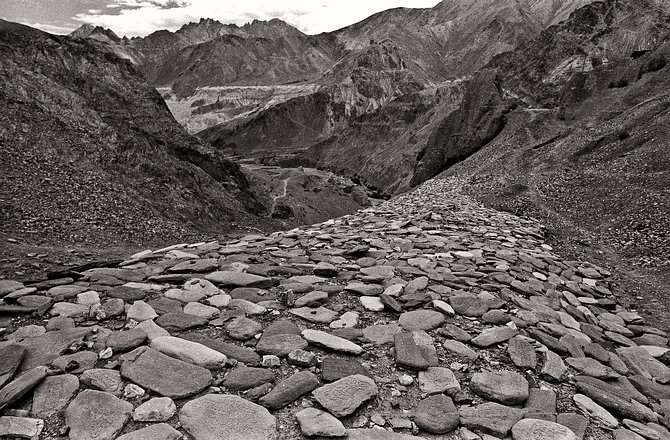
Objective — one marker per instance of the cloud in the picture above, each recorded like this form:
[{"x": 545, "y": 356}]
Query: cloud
[
  {"x": 50, "y": 28},
  {"x": 141, "y": 17}
]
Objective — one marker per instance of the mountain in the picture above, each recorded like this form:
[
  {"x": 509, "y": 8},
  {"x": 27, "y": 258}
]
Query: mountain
[{"x": 91, "y": 153}]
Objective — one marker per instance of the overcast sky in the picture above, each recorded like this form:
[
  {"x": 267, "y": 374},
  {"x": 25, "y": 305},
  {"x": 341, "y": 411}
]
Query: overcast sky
[{"x": 141, "y": 17}]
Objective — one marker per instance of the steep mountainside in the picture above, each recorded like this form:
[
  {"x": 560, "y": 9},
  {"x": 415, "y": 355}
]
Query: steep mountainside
[{"x": 587, "y": 149}]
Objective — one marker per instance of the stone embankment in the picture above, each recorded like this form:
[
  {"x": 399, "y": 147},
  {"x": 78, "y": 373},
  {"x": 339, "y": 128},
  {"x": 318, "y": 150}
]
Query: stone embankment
[{"x": 427, "y": 316}]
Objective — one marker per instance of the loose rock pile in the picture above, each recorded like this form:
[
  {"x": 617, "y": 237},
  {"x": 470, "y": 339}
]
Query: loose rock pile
[{"x": 427, "y": 316}]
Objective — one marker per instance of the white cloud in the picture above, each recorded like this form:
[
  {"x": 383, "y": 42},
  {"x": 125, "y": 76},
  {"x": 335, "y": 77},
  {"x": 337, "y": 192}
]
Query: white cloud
[
  {"x": 141, "y": 17},
  {"x": 52, "y": 29}
]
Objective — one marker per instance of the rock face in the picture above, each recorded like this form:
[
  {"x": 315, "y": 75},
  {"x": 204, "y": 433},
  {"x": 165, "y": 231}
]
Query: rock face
[
  {"x": 213, "y": 417},
  {"x": 381, "y": 369}
]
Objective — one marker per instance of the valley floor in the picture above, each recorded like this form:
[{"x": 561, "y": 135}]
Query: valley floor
[{"x": 427, "y": 316}]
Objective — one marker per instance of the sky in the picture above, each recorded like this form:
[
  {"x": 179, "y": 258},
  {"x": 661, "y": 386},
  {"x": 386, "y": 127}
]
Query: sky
[{"x": 141, "y": 17}]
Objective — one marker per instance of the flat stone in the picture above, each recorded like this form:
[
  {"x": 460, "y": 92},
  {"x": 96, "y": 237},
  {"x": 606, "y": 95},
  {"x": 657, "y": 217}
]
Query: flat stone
[
  {"x": 20, "y": 427},
  {"x": 158, "y": 409},
  {"x": 201, "y": 310},
  {"x": 152, "y": 330},
  {"x": 189, "y": 351},
  {"x": 10, "y": 359},
  {"x": 202, "y": 286},
  {"x": 315, "y": 422},
  {"x": 577, "y": 423},
  {"x": 53, "y": 394},
  {"x": 554, "y": 368},
  {"x": 595, "y": 411},
  {"x": 65, "y": 292},
  {"x": 75, "y": 363},
  {"x": 252, "y": 294},
  {"x": 216, "y": 417},
  {"x": 160, "y": 431},
  {"x": 532, "y": 429},
  {"x": 347, "y": 320},
  {"x": 69, "y": 310},
  {"x": 592, "y": 367},
  {"x": 103, "y": 379},
  {"x": 312, "y": 299},
  {"x": 243, "y": 328},
  {"x": 96, "y": 415},
  {"x": 491, "y": 418},
  {"x": 541, "y": 404},
  {"x": 612, "y": 398},
  {"x": 381, "y": 334},
  {"x": 290, "y": 390},
  {"x": 436, "y": 415},
  {"x": 239, "y": 279},
  {"x": 247, "y": 307},
  {"x": 341, "y": 398},
  {"x": 469, "y": 305},
  {"x": 331, "y": 342},
  {"x": 9, "y": 286},
  {"x": 454, "y": 332},
  {"x": 126, "y": 340},
  {"x": 372, "y": 303},
  {"x": 639, "y": 361},
  {"x": 364, "y": 289},
  {"x": 333, "y": 368},
  {"x": 460, "y": 349},
  {"x": 242, "y": 354},
  {"x": 163, "y": 374},
  {"x": 319, "y": 315},
  {"x": 378, "y": 434},
  {"x": 111, "y": 308},
  {"x": 140, "y": 311},
  {"x": 522, "y": 353},
  {"x": 280, "y": 345},
  {"x": 421, "y": 320},
  {"x": 282, "y": 327},
  {"x": 625, "y": 434},
  {"x": 17, "y": 388},
  {"x": 242, "y": 379},
  {"x": 494, "y": 335},
  {"x": 505, "y": 387},
  {"x": 408, "y": 354},
  {"x": 438, "y": 380},
  {"x": 176, "y": 322}
]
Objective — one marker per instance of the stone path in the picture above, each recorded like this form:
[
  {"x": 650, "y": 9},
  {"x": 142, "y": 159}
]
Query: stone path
[{"x": 427, "y": 316}]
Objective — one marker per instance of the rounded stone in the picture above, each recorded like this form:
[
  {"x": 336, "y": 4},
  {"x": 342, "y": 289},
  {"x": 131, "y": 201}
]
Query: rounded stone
[
  {"x": 506, "y": 387},
  {"x": 533, "y": 429},
  {"x": 314, "y": 422},
  {"x": 215, "y": 417},
  {"x": 436, "y": 414},
  {"x": 158, "y": 409}
]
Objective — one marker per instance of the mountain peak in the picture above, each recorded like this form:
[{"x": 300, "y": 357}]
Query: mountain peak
[{"x": 96, "y": 32}]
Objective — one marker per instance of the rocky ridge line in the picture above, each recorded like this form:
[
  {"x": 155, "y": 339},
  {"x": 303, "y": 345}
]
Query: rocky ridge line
[{"x": 426, "y": 315}]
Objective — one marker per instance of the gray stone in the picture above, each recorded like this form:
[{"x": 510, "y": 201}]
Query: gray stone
[
  {"x": 314, "y": 422},
  {"x": 126, "y": 340},
  {"x": 331, "y": 342},
  {"x": 554, "y": 368},
  {"x": 158, "y": 409},
  {"x": 76, "y": 363},
  {"x": 333, "y": 368},
  {"x": 53, "y": 394},
  {"x": 436, "y": 415},
  {"x": 289, "y": 390},
  {"x": 104, "y": 380},
  {"x": 319, "y": 315},
  {"x": 493, "y": 336},
  {"x": 189, "y": 351},
  {"x": 381, "y": 334},
  {"x": 533, "y": 429},
  {"x": 10, "y": 359},
  {"x": 96, "y": 415},
  {"x": 176, "y": 322},
  {"x": 522, "y": 353},
  {"x": 160, "y": 431},
  {"x": 577, "y": 423},
  {"x": 491, "y": 418},
  {"x": 163, "y": 374},
  {"x": 140, "y": 311},
  {"x": 20, "y": 427},
  {"x": 280, "y": 345},
  {"x": 460, "y": 349},
  {"x": 243, "y": 328},
  {"x": 505, "y": 386},
  {"x": 241, "y": 379},
  {"x": 17, "y": 388},
  {"x": 593, "y": 410},
  {"x": 239, "y": 279},
  {"x": 343, "y": 397},
  {"x": 438, "y": 380},
  {"x": 216, "y": 417},
  {"x": 421, "y": 320},
  {"x": 42, "y": 350},
  {"x": 408, "y": 354}
]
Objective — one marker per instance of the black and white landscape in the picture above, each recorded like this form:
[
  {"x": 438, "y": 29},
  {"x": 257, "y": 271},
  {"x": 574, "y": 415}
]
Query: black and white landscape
[{"x": 440, "y": 223}]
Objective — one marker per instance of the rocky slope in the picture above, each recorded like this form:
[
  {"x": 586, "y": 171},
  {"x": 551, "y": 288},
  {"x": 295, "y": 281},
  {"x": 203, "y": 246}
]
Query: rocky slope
[
  {"x": 426, "y": 317},
  {"x": 91, "y": 154}
]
